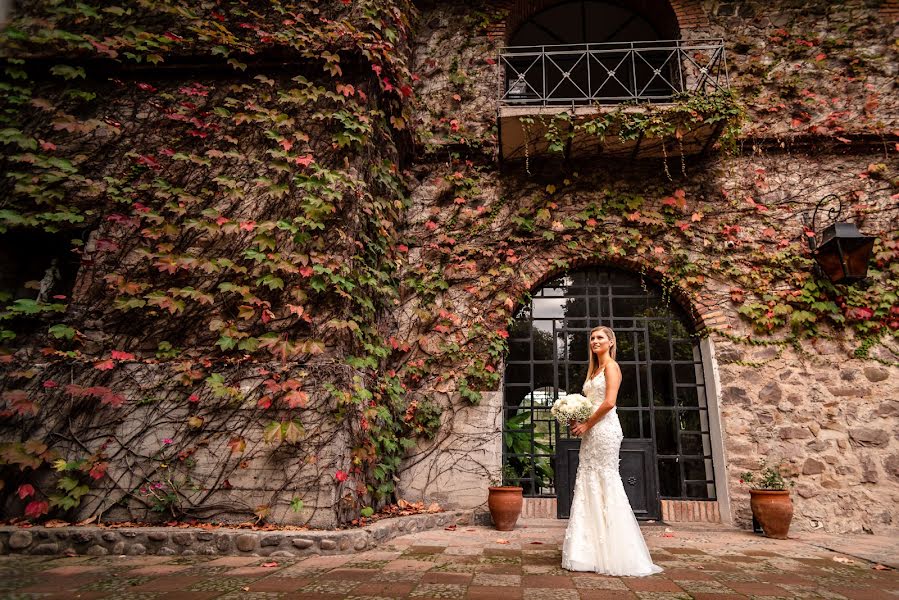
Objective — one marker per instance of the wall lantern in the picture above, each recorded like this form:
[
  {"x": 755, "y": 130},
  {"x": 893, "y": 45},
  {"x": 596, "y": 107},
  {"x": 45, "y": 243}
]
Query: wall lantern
[{"x": 842, "y": 252}]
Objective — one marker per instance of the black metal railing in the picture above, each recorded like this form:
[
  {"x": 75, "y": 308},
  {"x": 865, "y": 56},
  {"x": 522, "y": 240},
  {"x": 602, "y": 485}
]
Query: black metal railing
[{"x": 610, "y": 73}]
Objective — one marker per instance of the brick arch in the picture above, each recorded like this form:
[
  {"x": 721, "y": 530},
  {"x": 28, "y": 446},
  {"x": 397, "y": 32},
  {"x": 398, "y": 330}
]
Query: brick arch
[
  {"x": 703, "y": 312},
  {"x": 687, "y": 14}
]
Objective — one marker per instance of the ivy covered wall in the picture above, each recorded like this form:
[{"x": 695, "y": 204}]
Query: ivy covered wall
[{"x": 272, "y": 254}]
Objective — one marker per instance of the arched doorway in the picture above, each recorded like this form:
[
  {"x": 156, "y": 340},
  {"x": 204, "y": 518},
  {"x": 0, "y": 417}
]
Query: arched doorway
[{"x": 663, "y": 402}]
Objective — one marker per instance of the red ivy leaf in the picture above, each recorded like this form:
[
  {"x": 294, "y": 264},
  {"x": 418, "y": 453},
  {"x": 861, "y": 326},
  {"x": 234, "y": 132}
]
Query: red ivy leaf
[
  {"x": 104, "y": 365},
  {"x": 341, "y": 476},
  {"x": 98, "y": 470},
  {"x": 24, "y": 491},
  {"x": 36, "y": 508}
]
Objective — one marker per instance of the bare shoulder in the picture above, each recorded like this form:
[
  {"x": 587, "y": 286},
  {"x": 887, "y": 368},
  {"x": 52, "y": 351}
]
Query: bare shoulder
[{"x": 612, "y": 369}]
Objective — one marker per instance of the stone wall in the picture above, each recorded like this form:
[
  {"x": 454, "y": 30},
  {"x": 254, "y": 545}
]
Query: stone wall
[{"x": 817, "y": 82}]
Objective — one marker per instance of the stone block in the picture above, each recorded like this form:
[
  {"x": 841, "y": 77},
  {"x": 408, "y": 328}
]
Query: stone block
[
  {"x": 771, "y": 393},
  {"x": 876, "y": 374},
  {"x": 794, "y": 433},
  {"x": 157, "y": 536},
  {"x": 97, "y": 550},
  {"x": 136, "y": 549},
  {"x": 812, "y": 467},
  {"x": 20, "y": 539},
  {"x": 849, "y": 391},
  {"x": 223, "y": 542},
  {"x": 302, "y": 543},
  {"x": 166, "y": 551},
  {"x": 110, "y": 536},
  {"x": 806, "y": 490},
  {"x": 891, "y": 465},
  {"x": 869, "y": 436},
  {"x": 46, "y": 549},
  {"x": 735, "y": 395},
  {"x": 271, "y": 540},
  {"x": 183, "y": 538},
  {"x": 888, "y": 408},
  {"x": 328, "y": 544},
  {"x": 118, "y": 548},
  {"x": 869, "y": 470},
  {"x": 246, "y": 542}
]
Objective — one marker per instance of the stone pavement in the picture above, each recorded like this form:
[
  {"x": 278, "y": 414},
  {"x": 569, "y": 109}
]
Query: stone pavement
[{"x": 702, "y": 563}]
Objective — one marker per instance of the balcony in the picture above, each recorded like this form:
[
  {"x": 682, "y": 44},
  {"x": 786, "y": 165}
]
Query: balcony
[{"x": 586, "y": 81}]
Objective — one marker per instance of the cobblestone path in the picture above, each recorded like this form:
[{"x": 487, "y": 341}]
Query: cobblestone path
[{"x": 468, "y": 562}]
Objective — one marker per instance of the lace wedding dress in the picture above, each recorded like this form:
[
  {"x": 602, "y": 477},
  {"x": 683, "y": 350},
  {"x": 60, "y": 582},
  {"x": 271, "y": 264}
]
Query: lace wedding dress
[{"x": 603, "y": 535}]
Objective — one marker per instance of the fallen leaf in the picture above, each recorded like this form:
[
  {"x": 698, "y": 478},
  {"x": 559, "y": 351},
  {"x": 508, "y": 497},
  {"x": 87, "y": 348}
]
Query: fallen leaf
[
  {"x": 844, "y": 560},
  {"x": 269, "y": 564},
  {"x": 880, "y": 567},
  {"x": 537, "y": 543},
  {"x": 55, "y": 523},
  {"x": 450, "y": 528},
  {"x": 502, "y": 541}
]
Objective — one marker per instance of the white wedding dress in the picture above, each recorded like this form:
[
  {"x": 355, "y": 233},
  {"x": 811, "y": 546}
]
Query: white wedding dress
[{"x": 603, "y": 535}]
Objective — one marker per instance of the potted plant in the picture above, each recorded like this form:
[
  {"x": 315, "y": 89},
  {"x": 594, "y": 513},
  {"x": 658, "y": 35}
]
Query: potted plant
[
  {"x": 770, "y": 499},
  {"x": 504, "y": 501}
]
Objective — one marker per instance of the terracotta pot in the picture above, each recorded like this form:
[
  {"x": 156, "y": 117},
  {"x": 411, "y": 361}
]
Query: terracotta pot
[
  {"x": 504, "y": 503},
  {"x": 773, "y": 509}
]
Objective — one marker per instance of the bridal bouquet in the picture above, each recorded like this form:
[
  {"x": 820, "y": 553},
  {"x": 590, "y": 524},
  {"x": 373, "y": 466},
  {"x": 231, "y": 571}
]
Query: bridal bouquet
[{"x": 573, "y": 407}]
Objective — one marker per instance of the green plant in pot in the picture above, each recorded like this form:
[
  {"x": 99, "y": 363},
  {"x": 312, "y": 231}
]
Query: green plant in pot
[
  {"x": 505, "y": 499},
  {"x": 770, "y": 499}
]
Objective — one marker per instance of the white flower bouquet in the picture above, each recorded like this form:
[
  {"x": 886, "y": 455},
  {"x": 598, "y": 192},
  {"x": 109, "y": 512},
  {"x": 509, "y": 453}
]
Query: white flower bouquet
[{"x": 572, "y": 407}]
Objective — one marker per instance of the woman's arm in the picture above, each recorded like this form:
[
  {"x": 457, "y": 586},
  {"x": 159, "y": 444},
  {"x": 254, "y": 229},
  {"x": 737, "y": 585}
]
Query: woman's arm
[{"x": 613, "y": 382}]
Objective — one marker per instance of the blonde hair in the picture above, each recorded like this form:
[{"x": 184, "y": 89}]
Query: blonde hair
[{"x": 594, "y": 366}]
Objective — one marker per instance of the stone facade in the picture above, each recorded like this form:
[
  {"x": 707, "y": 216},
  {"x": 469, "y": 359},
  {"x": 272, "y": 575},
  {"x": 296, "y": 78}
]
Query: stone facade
[
  {"x": 831, "y": 418},
  {"x": 817, "y": 83}
]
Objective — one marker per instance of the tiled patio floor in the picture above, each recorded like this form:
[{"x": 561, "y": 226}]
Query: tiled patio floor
[{"x": 470, "y": 562}]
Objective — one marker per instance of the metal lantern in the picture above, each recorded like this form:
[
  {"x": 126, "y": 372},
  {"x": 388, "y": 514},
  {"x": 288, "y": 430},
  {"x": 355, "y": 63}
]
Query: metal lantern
[{"x": 842, "y": 251}]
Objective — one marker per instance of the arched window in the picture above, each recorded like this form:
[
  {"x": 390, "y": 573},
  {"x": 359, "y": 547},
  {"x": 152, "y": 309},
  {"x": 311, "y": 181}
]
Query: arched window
[{"x": 662, "y": 403}]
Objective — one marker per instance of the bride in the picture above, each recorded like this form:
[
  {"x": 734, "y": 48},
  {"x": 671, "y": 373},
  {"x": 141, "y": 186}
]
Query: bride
[{"x": 603, "y": 535}]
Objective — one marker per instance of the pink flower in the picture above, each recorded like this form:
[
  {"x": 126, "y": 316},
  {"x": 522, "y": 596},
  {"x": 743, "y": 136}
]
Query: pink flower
[{"x": 167, "y": 441}]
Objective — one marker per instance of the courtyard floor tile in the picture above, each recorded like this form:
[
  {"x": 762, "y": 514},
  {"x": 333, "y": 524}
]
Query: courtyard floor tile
[{"x": 479, "y": 563}]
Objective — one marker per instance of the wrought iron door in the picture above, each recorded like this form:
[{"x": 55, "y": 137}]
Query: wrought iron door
[{"x": 661, "y": 403}]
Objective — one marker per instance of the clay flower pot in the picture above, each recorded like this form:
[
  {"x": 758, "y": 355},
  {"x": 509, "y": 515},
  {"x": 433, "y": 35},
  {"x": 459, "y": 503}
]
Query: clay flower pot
[
  {"x": 504, "y": 503},
  {"x": 773, "y": 509}
]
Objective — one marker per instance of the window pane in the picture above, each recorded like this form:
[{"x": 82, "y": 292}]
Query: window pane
[
  {"x": 689, "y": 420},
  {"x": 691, "y": 443},
  {"x": 549, "y": 308},
  {"x": 658, "y": 340},
  {"x": 543, "y": 345},
  {"x": 662, "y": 392},
  {"x": 687, "y": 396},
  {"x": 666, "y": 433},
  {"x": 694, "y": 468},
  {"x": 543, "y": 376},
  {"x": 688, "y": 373},
  {"x": 627, "y": 393},
  {"x": 698, "y": 491},
  {"x": 518, "y": 373},
  {"x": 630, "y": 423},
  {"x": 519, "y": 350},
  {"x": 626, "y": 343},
  {"x": 646, "y": 417},
  {"x": 684, "y": 351},
  {"x": 669, "y": 478}
]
